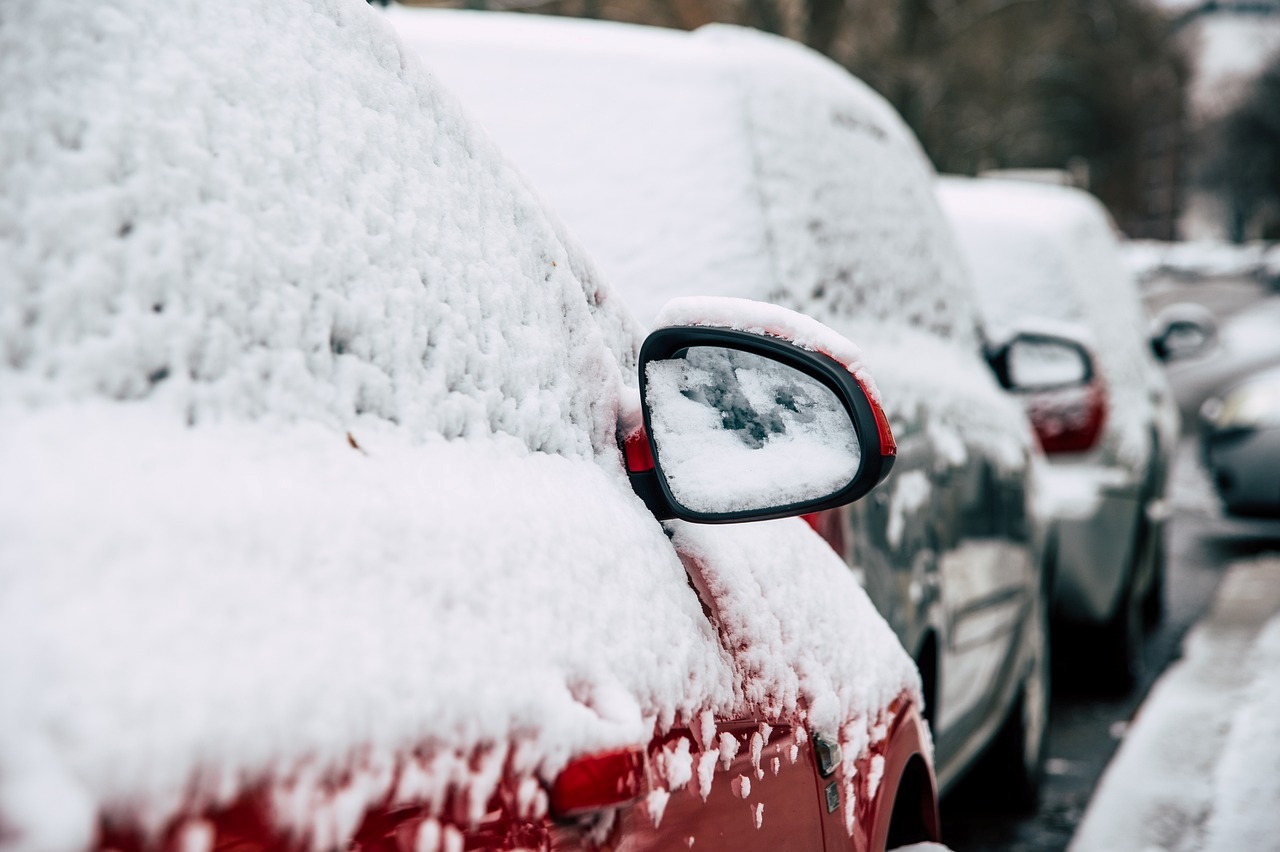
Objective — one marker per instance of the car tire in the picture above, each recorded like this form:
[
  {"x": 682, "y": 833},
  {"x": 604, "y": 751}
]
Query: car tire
[
  {"x": 1012, "y": 771},
  {"x": 1117, "y": 646}
]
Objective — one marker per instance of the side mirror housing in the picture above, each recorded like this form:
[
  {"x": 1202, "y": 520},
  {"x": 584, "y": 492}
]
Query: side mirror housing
[
  {"x": 743, "y": 425},
  {"x": 1054, "y": 376},
  {"x": 1183, "y": 330},
  {"x": 1035, "y": 362}
]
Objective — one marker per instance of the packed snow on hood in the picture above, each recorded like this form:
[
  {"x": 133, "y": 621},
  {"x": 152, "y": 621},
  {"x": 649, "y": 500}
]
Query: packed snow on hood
[
  {"x": 1045, "y": 251},
  {"x": 307, "y": 424},
  {"x": 1197, "y": 769},
  {"x": 728, "y": 162}
]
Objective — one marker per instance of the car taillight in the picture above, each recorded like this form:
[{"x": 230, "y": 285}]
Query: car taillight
[
  {"x": 595, "y": 782},
  {"x": 1068, "y": 421}
]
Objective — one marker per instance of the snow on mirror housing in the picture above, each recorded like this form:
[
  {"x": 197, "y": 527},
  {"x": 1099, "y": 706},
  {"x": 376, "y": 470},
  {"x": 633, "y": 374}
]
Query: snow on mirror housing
[{"x": 744, "y": 426}]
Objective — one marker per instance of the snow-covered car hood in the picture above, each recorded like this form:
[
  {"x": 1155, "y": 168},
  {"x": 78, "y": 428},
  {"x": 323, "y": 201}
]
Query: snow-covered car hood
[{"x": 308, "y": 427}]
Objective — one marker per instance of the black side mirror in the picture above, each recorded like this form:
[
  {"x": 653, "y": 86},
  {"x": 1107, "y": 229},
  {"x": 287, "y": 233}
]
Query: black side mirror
[
  {"x": 1183, "y": 330},
  {"x": 742, "y": 426},
  {"x": 1035, "y": 362}
]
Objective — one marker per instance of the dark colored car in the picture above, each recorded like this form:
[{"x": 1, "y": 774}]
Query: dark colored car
[{"x": 1240, "y": 444}]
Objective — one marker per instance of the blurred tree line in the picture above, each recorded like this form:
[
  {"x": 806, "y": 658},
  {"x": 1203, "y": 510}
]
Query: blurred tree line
[
  {"x": 1092, "y": 87},
  {"x": 1242, "y": 162}
]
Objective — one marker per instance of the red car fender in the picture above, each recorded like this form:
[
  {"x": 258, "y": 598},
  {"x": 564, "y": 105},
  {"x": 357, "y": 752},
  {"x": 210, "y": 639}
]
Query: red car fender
[{"x": 908, "y": 780}]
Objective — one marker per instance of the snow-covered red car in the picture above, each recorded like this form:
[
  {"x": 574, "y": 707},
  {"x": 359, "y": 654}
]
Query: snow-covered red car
[{"x": 345, "y": 506}]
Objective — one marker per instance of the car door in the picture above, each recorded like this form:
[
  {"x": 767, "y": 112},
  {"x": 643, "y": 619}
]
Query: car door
[
  {"x": 750, "y": 787},
  {"x": 943, "y": 551}
]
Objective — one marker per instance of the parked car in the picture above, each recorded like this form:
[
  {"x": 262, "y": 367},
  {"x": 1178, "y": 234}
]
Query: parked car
[
  {"x": 727, "y": 161},
  {"x": 1235, "y": 348},
  {"x": 1240, "y": 444},
  {"x": 321, "y": 442},
  {"x": 1049, "y": 270}
]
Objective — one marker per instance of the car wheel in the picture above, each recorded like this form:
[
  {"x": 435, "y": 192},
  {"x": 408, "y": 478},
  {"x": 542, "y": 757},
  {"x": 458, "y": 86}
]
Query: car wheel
[
  {"x": 1117, "y": 646},
  {"x": 1012, "y": 771}
]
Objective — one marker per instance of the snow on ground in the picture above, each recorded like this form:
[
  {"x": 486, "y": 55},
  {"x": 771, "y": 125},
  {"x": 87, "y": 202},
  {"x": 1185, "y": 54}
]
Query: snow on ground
[
  {"x": 307, "y": 424},
  {"x": 1197, "y": 770}
]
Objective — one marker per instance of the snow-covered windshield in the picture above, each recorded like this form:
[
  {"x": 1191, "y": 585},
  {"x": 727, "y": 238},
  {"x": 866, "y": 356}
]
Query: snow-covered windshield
[{"x": 717, "y": 163}]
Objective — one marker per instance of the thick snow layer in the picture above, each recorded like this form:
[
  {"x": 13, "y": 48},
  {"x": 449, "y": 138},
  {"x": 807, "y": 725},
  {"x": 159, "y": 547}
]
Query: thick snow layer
[
  {"x": 763, "y": 318},
  {"x": 761, "y": 580},
  {"x": 307, "y": 424},
  {"x": 727, "y": 162},
  {"x": 253, "y": 600},
  {"x": 1197, "y": 770},
  {"x": 1046, "y": 251},
  {"x": 170, "y": 230}
]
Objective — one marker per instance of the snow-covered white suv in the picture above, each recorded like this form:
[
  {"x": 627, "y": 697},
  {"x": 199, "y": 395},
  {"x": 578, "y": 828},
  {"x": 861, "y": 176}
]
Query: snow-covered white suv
[{"x": 317, "y": 519}]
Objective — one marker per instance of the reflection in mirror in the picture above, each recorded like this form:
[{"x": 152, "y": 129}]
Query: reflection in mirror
[
  {"x": 1182, "y": 340},
  {"x": 1042, "y": 363},
  {"x": 1183, "y": 330},
  {"x": 736, "y": 431}
]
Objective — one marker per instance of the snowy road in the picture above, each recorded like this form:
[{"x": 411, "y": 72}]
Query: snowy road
[
  {"x": 1197, "y": 771},
  {"x": 1087, "y": 728}
]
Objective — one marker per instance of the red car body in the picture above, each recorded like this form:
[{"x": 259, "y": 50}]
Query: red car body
[
  {"x": 785, "y": 782},
  {"x": 740, "y": 784}
]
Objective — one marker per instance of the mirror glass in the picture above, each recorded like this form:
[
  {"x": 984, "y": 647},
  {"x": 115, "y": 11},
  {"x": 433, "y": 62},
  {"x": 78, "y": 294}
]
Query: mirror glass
[
  {"x": 736, "y": 431},
  {"x": 1041, "y": 364},
  {"x": 1184, "y": 339}
]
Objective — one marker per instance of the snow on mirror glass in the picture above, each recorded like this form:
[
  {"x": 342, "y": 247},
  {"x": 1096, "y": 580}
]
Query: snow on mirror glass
[
  {"x": 737, "y": 431},
  {"x": 1036, "y": 364}
]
